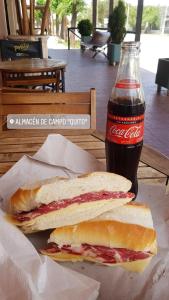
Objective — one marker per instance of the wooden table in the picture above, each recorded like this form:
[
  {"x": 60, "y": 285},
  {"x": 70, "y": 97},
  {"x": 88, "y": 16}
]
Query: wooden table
[
  {"x": 153, "y": 167},
  {"x": 33, "y": 72}
]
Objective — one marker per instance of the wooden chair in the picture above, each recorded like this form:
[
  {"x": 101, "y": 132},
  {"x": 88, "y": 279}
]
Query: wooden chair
[
  {"x": 17, "y": 49},
  {"x": 98, "y": 43},
  {"x": 72, "y": 103}
]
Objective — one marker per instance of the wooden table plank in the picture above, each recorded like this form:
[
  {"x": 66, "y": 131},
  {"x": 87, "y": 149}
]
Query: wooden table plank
[
  {"x": 98, "y": 153},
  {"x": 155, "y": 159},
  {"x": 5, "y": 166},
  {"x": 19, "y": 148},
  {"x": 12, "y": 157},
  {"x": 149, "y": 156},
  {"x": 41, "y": 139},
  {"x": 103, "y": 160},
  {"x": 34, "y": 147},
  {"x": 153, "y": 181},
  {"x": 45, "y": 132},
  {"x": 12, "y": 148},
  {"x": 148, "y": 172}
]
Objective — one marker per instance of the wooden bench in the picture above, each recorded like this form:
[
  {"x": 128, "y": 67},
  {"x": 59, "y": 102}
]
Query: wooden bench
[{"x": 49, "y": 103}]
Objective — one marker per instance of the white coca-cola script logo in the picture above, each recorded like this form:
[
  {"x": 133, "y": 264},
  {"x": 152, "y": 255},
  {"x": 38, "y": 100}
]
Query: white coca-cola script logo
[{"x": 132, "y": 132}]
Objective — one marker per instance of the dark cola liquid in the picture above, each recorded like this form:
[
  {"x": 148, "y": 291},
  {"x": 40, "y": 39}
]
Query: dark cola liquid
[{"x": 124, "y": 159}]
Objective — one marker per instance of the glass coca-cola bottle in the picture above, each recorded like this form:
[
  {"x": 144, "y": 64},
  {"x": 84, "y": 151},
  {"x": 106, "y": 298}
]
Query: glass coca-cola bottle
[{"x": 125, "y": 118}]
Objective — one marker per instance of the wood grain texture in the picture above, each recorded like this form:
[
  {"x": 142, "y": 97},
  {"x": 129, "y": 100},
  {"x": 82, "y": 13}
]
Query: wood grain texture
[
  {"x": 32, "y": 7},
  {"x": 25, "y": 18},
  {"x": 33, "y": 65},
  {"x": 45, "y": 16},
  {"x": 52, "y": 103},
  {"x": 14, "y": 146},
  {"x": 155, "y": 159},
  {"x": 45, "y": 109},
  {"x": 149, "y": 156},
  {"x": 31, "y": 98}
]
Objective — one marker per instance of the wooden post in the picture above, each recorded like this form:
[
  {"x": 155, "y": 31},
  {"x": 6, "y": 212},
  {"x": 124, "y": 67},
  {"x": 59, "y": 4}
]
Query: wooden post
[
  {"x": 94, "y": 13},
  {"x": 111, "y": 5},
  {"x": 12, "y": 16},
  {"x": 19, "y": 17},
  {"x": 25, "y": 18},
  {"x": 45, "y": 16},
  {"x": 139, "y": 19},
  {"x": 4, "y": 22},
  {"x": 32, "y": 7}
]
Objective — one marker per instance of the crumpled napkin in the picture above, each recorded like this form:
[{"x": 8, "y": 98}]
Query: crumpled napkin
[
  {"x": 24, "y": 273},
  {"x": 27, "y": 275}
]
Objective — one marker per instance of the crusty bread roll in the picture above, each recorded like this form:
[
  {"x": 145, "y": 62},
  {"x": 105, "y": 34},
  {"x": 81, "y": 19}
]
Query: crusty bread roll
[
  {"x": 55, "y": 189},
  {"x": 136, "y": 241},
  {"x": 128, "y": 213},
  {"x": 111, "y": 234},
  {"x": 78, "y": 199}
]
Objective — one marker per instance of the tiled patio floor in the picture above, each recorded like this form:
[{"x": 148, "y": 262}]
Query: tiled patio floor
[{"x": 83, "y": 72}]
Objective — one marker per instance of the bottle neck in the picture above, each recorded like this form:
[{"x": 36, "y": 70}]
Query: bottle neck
[
  {"x": 129, "y": 66},
  {"x": 128, "y": 83}
]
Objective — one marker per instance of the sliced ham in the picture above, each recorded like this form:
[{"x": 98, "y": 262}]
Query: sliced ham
[
  {"x": 101, "y": 253},
  {"x": 56, "y": 205}
]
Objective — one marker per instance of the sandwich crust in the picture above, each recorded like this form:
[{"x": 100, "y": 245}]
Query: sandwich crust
[
  {"x": 111, "y": 234},
  {"x": 56, "y": 189},
  {"x": 131, "y": 212}
]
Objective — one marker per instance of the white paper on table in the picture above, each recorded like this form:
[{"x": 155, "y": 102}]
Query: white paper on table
[
  {"x": 152, "y": 284},
  {"x": 57, "y": 157},
  {"x": 116, "y": 283},
  {"x": 24, "y": 274},
  {"x": 32, "y": 276}
]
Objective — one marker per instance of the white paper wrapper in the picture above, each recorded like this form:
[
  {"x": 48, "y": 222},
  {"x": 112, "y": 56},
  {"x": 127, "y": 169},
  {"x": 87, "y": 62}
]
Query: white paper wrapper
[
  {"x": 57, "y": 157},
  {"x": 153, "y": 282},
  {"x": 25, "y": 274},
  {"x": 116, "y": 283}
]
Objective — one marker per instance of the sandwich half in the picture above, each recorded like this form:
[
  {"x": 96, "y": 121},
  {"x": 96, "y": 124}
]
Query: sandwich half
[
  {"x": 108, "y": 240},
  {"x": 61, "y": 201}
]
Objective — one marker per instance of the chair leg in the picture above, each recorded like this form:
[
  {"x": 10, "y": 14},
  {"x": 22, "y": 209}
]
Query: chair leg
[
  {"x": 158, "y": 89},
  {"x": 95, "y": 54},
  {"x": 104, "y": 54},
  {"x": 63, "y": 80},
  {"x": 99, "y": 51}
]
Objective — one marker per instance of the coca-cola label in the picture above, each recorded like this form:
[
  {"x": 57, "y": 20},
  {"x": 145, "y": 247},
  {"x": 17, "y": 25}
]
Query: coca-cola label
[
  {"x": 127, "y": 84},
  {"x": 125, "y": 130}
]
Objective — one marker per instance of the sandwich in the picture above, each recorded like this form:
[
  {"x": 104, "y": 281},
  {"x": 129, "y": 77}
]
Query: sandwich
[
  {"x": 59, "y": 202},
  {"x": 124, "y": 236}
]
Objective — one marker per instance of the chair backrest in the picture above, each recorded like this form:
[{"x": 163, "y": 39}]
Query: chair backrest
[
  {"x": 72, "y": 103},
  {"x": 16, "y": 49},
  {"x": 100, "y": 38}
]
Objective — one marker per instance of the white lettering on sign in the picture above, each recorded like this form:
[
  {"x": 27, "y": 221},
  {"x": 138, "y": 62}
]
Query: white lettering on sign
[{"x": 132, "y": 132}]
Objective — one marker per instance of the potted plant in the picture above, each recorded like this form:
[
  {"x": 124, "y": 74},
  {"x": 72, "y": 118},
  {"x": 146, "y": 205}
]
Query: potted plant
[
  {"x": 85, "y": 29},
  {"x": 116, "y": 26}
]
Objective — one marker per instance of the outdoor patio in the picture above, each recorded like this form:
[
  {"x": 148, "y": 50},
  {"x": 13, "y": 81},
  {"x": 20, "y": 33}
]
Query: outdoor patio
[{"x": 84, "y": 72}]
